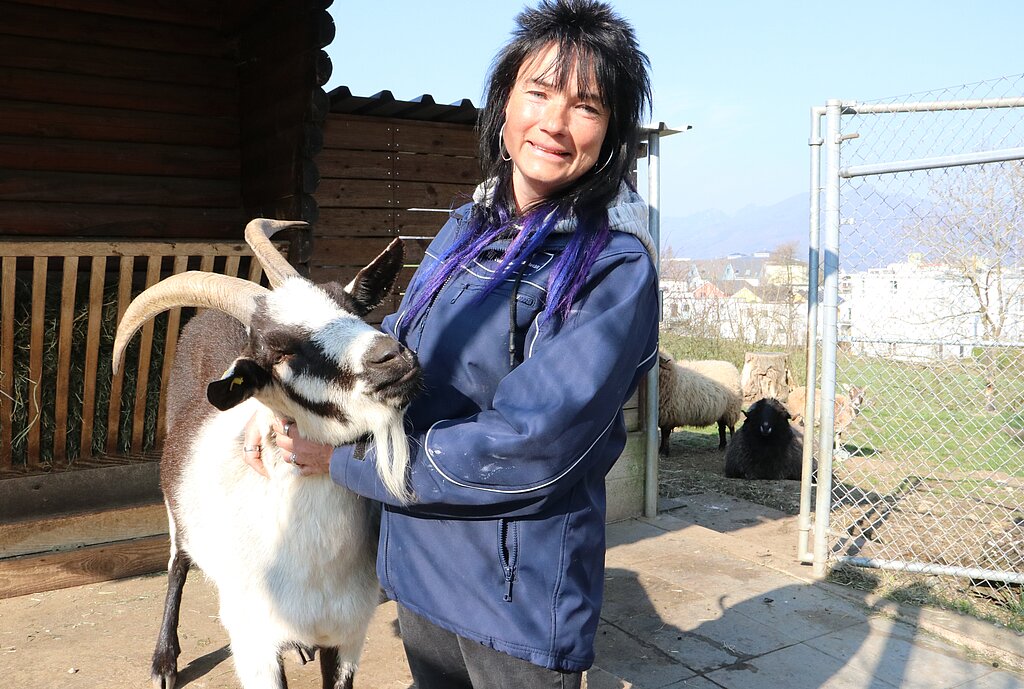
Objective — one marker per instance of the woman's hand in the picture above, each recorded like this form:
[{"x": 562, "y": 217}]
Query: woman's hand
[{"x": 309, "y": 457}]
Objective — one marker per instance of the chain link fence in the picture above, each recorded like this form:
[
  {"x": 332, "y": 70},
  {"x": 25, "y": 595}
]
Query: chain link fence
[{"x": 921, "y": 317}]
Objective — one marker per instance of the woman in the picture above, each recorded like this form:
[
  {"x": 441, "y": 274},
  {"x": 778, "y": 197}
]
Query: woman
[{"x": 534, "y": 316}]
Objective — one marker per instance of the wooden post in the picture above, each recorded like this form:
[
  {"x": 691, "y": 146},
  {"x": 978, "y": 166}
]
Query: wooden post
[{"x": 765, "y": 374}]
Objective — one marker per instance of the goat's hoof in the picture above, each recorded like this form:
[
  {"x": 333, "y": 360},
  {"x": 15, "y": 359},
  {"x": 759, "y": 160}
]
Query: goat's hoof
[
  {"x": 166, "y": 680},
  {"x": 165, "y": 668}
]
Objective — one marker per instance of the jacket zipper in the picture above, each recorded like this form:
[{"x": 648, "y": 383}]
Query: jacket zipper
[{"x": 508, "y": 552}]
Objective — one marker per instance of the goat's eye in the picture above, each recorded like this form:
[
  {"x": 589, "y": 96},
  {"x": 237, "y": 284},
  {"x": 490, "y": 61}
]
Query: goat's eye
[{"x": 281, "y": 357}]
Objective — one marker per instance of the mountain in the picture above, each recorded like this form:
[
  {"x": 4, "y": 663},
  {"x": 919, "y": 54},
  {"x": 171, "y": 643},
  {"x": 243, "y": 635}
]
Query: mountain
[
  {"x": 712, "y": 233},
  {"x": 880, "y": 219}
]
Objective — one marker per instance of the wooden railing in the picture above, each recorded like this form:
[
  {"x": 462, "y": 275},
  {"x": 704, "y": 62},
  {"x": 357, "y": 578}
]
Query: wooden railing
[{"x": 60, "y": 301}]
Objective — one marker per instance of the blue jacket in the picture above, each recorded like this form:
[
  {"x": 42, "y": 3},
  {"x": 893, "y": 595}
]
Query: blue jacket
[{"x": 505, "y": 540}]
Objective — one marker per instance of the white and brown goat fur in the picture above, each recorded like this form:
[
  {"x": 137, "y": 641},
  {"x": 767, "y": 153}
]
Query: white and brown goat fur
[
  {"x": 697, "y": 393},
  {"x": 292, "y": 556}
]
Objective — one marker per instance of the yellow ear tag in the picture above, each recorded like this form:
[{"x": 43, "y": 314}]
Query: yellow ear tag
[{"x": 234, "y": 382}]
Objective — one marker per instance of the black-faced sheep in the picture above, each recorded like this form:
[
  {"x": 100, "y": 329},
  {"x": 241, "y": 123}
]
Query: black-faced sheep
[
  {"x": 766, "y": 446},
  {"x": 697, "y": 393}
]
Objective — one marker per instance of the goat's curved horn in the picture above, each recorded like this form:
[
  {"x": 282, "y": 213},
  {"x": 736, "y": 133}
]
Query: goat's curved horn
[
  {"x": 257, "y": 234},
  {"x": 233, "y": 296}
]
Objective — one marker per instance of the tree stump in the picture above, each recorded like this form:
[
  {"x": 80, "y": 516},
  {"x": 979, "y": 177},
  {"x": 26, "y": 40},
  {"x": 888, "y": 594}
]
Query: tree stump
[{"x": 765, "y": 374}]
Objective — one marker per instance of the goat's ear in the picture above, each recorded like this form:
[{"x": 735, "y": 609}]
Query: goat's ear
[
  {"x": 239, "y": 383},
  {"x": 369, "y": 287}
]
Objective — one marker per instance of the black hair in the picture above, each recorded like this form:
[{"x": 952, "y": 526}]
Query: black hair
[{"x": 591, "y": 40}]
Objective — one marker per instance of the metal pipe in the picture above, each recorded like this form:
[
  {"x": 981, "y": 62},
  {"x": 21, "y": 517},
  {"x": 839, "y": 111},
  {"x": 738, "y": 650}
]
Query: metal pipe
[
  {"x": 959, "y": 159},
  {"x": 925, "y": 568},
  {"x": 829, "y": 326},
  {"x": 813, "y": 253},
  {"x": 855, "y": 108},
  {"x": 654, "y": 226}
]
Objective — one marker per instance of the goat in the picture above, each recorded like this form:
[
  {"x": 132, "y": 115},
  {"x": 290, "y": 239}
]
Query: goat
[
  {"x": 765, "y": 446},
  {"x": 292, "y": 557},
  {"x": 697, "y": 393},
  {"x": 847, "y": 407}
]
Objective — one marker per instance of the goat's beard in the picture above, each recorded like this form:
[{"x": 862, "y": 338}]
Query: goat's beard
[{"x": 392, "y": 457}]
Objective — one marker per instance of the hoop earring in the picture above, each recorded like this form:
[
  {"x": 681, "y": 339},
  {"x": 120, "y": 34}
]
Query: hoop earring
[
  {"x": 610, "y": 156},
  {"x": 501, "y": 145}
]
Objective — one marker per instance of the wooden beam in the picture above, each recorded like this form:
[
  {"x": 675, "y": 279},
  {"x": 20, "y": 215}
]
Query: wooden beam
[
  {"x": 69, "y": 532},
  {"x": 88, "y": 220},
  {"x": 127, "y": 94},
  {"x": 80, "y": 187},
  {"x": 21, "y": 576},
  {"x": 110, "y": 30},
  {"x": 120, "y": 158},
  {"x": 123, "y": 63},
  {"x": 106, "y": 124}
]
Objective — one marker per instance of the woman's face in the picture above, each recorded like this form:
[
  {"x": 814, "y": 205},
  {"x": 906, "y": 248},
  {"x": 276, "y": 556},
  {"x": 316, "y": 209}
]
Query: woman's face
[{"x": 553, "y": 136}]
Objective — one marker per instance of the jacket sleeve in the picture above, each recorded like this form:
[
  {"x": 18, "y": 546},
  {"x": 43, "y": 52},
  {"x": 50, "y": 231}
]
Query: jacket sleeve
[{"x": 551, "y": 415}]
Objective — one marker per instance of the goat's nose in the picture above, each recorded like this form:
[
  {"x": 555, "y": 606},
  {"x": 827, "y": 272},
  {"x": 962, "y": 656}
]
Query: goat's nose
[{"x": 382, "y": 351}]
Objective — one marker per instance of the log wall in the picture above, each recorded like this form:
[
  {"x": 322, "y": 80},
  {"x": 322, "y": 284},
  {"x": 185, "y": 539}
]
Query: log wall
[{"x": 118, "y": 120}]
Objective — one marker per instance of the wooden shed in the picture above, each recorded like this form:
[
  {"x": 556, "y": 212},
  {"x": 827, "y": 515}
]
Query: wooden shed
[{"x": 136, "y": 140}]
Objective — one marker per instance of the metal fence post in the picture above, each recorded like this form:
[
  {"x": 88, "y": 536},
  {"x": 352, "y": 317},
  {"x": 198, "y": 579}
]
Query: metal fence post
[{"x": 829, "y": 327}]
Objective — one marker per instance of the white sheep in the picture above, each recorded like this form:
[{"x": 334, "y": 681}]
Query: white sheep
[{"x": 697, "y": 393}]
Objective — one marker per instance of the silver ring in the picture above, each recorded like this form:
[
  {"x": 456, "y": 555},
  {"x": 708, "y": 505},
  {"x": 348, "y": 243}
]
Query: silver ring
[
  {"x": 287, "y": 427},
  {"x": 254, "y": 448},
  {"x": 293, "y": 458}
]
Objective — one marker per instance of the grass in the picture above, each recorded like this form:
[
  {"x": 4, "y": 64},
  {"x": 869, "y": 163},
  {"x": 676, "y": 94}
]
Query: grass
[{"x": 933, "y": 432}]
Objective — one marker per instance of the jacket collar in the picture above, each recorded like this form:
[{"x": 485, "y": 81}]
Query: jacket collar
[{"x": 626, "y": 213}]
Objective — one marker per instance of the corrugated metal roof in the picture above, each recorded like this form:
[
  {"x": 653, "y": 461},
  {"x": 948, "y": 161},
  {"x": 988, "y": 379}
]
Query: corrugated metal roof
[{"x": 384, "y": 104}]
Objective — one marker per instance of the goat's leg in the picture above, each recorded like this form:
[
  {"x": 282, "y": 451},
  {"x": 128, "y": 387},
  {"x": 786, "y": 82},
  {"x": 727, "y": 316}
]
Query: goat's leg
[
  {"x": 258, "y": 663},
  {"x": 666, "y": 435},
  {"x": 721, "y": 434},
  {"x": 165, "y": 656},
  {"x": 338, "y": 664}
]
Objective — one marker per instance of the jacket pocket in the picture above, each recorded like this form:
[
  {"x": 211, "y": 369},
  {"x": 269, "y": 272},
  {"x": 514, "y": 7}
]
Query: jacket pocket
[{"x": 508, "y": 553}]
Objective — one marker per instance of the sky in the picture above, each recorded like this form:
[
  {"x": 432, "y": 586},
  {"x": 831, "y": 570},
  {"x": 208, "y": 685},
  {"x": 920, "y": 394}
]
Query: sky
[{"x": 743, "y": 74}]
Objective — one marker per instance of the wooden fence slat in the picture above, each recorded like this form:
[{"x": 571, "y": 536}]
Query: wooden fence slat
[
  {"x": 170, "y": 349},
  {"x": 7, "y": 360},
  {"x": 50, "y": 381},
  {"x": 67, "y": 322},
  {"x": 124, "y": 294},
  {"x": 35, "y": 366},
  {"x": 429, "y": 194},
  {"x": 32, "y": 248},
  {"x": 351, "y": 164},
  {"x": 97, "y": 277},
  {"x": 449, "y": 169},
  {"x": 355, "y": 193},
  {"x": 341, "y": 131},
  {"x": 145, "y": 354}
]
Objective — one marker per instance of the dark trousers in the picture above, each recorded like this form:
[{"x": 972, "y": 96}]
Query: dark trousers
[{"x": 440, "y": 659}]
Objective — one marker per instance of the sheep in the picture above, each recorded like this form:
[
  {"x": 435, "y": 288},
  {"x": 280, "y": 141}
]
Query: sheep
[
  {"x": 766, "y": 446},
  {"x": 847, "y": 408},
  {"x": 292, "y": 557},
  {"x": 697, "y": 393}
]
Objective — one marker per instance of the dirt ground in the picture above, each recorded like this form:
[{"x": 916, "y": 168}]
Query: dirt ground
[
  {"x": 900, "y": 518},
  {"x": 696, "y": 465}
]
